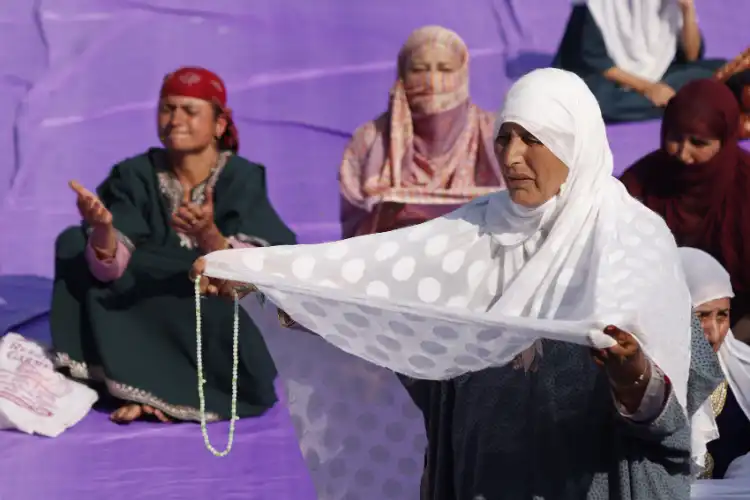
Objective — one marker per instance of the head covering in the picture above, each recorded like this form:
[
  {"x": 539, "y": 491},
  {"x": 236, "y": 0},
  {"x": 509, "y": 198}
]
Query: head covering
[
  {"x": 201, "y": 83},
  {"x": 433, "y": 146},
  {"x": 705, "y": 205},
  {"x": 454, "y": 295},
  {"x": 735, "y": 361},
  {"x": 640, "y": 35},
  {"x": 708, "y": 280}
]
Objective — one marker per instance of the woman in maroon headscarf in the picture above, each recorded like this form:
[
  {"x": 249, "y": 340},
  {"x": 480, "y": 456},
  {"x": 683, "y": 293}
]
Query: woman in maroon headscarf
[
  {"x": 123, "y": 314},
  {"x": 699, "y": 181}
]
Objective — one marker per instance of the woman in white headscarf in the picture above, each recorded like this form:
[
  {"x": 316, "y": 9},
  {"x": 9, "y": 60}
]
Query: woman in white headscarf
[
  {"x": 510, "y": 296},
  {"x": 634, "y": 54},
  {"x": 725, "y": 414}
]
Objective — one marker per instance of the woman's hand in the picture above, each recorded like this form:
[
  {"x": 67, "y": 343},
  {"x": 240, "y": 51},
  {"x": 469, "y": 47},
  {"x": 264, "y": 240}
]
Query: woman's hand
[
  {"x": 90, "y": 207},
  {"x": 627, "y": 367},
  {"x": 103, "y": 238},
  {"x": 197, "y": 221},
  {"x": 659, "y": 94},
  {"x": 217, "y": 287}
]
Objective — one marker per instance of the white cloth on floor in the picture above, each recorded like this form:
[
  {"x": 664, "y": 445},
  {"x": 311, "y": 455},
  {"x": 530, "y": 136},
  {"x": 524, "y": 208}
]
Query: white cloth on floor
[{"x": 34, "y": 398}]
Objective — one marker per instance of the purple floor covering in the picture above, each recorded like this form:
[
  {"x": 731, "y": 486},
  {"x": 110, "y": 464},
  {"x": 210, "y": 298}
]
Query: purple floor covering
[
  {"x": 97, "y": 459},
  {"x": 78, "y": 81}
]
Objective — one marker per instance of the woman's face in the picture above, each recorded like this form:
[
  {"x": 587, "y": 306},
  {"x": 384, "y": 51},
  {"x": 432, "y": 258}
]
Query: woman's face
[
  {"x": 432, "y": 58},
  {"x": 691, "y": 149},
  {"x": 187, "y": 124},
  {"x": 532, "y": 173},
  {"x": 714, "y": 316}
]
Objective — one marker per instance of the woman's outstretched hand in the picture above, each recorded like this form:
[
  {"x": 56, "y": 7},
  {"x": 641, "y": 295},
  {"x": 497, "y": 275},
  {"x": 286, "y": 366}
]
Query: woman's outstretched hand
[
  {"x": 217, "y": 287},
  {"x": 627, "y": 367},
  {"x": 90, "y": 207}
]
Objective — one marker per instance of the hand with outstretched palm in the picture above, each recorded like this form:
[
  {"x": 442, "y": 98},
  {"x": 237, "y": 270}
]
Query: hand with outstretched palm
[{"x": 90, "y": 207}]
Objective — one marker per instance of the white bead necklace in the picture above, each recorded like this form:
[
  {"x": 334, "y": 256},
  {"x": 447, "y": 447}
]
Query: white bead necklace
[{"x": 202, "y": 381}]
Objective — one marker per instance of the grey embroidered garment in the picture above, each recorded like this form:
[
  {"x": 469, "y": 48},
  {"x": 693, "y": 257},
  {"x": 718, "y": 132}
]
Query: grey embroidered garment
[{"x": 551, "y": 434}]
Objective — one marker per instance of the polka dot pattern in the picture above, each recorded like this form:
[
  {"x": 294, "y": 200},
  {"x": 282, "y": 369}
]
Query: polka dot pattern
[
  {"x": 404, "y": 268},
  {"x": 360, "y": 434},
  {"x": 425, "y": 301}
]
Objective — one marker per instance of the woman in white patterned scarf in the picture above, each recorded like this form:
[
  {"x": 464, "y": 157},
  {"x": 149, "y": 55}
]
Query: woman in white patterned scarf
[{"x": 509, "y": 297}]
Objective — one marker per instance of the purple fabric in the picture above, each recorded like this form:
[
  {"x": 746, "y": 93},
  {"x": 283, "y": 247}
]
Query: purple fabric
[
  {"x": 98, "y": 459},
  {"x": 78, "y": 86},
  {"x": 79, "y": 81}
]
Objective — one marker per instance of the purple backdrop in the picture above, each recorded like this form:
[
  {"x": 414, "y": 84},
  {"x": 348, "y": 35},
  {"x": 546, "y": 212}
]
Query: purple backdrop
[{"x": 79, "y": 78}]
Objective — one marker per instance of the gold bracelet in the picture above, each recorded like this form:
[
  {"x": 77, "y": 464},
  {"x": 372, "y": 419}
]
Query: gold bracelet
[{"x": 643, "y": 377}]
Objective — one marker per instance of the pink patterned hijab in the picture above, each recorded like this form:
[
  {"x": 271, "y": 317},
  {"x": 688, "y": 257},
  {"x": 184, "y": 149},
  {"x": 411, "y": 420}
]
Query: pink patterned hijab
[{"x": 433, "y": 146}]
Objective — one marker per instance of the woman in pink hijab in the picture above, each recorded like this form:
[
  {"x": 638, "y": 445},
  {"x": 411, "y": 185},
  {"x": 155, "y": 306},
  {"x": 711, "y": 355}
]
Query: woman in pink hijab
[{"x": 429, "y": 153}]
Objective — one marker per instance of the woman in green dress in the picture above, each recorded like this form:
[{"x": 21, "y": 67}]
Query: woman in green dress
[{"x": 123, "y": 314}]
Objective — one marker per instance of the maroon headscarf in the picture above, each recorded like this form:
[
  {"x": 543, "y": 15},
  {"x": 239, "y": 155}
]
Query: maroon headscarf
[
  {"x": 707, "y": 205},
  {"x": 201, "y": 83}
]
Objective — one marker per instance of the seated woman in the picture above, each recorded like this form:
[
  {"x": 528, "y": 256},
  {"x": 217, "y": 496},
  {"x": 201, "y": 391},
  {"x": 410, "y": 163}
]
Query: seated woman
[
  {"x": 122, "y": 313},
  {"x": 634, "y": 55},
  {"x": 429, "y": 153},
  {"x": 699, "y": 181},
  {"x": 711, "y": 291}
]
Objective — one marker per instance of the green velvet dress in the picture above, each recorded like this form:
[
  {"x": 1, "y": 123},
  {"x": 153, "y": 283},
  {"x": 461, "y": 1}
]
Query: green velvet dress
[{"x": 136, "y": 334}]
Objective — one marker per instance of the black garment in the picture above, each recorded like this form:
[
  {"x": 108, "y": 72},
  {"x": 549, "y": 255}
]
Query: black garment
[{"x": 734, "y": 436}]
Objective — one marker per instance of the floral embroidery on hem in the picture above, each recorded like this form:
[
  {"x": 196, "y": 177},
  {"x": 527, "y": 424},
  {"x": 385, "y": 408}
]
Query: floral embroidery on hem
[{"x": 126, "y": 392}]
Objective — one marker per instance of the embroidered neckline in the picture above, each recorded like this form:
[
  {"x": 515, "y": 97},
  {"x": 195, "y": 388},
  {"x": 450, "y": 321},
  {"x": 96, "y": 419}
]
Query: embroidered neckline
[{"x": 171, "y": 188}]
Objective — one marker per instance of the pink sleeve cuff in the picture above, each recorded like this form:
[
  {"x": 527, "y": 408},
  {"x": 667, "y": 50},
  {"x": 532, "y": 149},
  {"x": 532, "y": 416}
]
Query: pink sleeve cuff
[
  {"x": 235, "y": 242},
  {"x": 110, "y": 269}
]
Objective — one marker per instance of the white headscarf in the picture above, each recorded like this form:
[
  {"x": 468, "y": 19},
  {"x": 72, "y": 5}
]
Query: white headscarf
[
  {"x": 641, "y": 36},
  {"x": 708, "y": 280},
  {"x": 479, "y": 286}
]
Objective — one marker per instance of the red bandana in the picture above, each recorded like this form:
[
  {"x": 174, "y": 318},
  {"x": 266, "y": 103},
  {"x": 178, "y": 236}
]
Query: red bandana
[{"x": 201, "y": 83}]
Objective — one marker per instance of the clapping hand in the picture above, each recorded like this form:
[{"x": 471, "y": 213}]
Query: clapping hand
[{"x": 193, "y": 219}]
